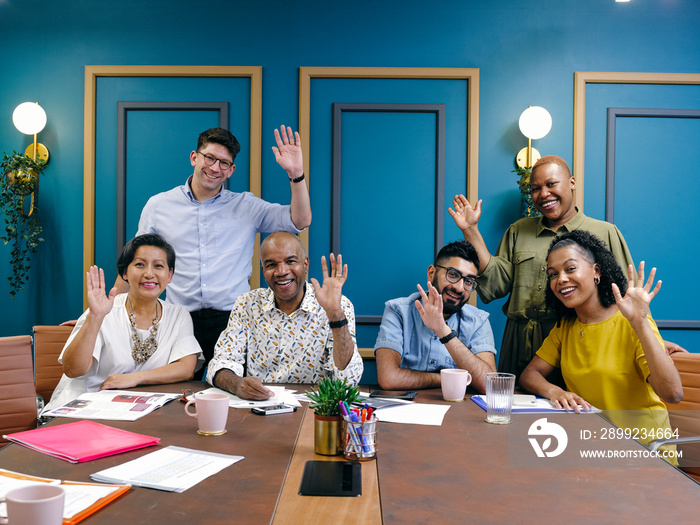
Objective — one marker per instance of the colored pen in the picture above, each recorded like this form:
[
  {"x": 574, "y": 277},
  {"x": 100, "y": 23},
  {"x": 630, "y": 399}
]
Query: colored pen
[{"x": 343, "y": 410}]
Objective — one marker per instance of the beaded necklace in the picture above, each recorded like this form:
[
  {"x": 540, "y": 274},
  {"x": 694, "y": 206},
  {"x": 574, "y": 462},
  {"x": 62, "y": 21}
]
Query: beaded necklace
[{"x": 143, "y": 350}]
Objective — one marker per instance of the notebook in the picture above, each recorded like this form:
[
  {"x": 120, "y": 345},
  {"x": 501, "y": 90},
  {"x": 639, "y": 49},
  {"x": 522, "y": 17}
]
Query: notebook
[{"x": 81, "y": 440}]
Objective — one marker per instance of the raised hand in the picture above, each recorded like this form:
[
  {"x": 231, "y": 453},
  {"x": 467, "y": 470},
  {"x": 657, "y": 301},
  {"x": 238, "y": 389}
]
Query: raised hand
[
  {"x": 330, "y": 294},
  {"x": 430, "y": 310},
  {"x": 99, "y": 302},
  {"x": 288, "y": 151},
  {"x": 464, "y": 215},
  {"x": 635, "y": 304}
]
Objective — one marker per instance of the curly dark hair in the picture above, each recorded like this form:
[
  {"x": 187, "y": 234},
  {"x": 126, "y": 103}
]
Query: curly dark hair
[{"x": 595, "y": 252}]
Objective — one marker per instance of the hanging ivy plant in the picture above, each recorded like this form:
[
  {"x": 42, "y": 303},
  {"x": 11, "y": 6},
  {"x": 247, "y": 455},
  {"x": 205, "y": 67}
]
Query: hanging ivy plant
[
  {"x": 20, "y": 179},
  {"x": 528, "y": 208}
]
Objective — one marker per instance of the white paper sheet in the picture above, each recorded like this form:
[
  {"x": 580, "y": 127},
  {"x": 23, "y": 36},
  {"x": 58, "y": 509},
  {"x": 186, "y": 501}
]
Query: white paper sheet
[
  {"x": 282, "y": 396},
  {"x": 174, "y": 469},
  {"x": 413, "y": 413}
]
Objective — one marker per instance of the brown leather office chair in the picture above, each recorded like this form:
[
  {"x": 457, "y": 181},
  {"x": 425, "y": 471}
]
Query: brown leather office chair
[
  {"x": 48, "y": 343},
  {"x": 685, "y": 415},
  {"x": 18, "y": 409}
]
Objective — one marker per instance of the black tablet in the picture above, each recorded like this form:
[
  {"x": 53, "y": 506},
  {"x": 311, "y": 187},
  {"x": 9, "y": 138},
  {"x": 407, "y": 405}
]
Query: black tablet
[{"x": 331, "y": 478}]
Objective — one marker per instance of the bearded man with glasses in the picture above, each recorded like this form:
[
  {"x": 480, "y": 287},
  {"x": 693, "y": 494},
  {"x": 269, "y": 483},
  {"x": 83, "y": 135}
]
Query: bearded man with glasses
[
  {"x": 426, "y": 332},
  {"x": 213, "y": 229}
]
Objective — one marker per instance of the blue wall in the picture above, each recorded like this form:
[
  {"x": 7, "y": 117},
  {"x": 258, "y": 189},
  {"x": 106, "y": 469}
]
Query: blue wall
[{"x": 526, "y": 50}]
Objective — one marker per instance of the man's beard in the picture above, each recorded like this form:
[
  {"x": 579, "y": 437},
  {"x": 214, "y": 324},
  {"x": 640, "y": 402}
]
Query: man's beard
[{"x": 449, "y": 307}]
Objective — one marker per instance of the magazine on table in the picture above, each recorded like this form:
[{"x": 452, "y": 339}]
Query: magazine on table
[{"x": 115, "y": 405}]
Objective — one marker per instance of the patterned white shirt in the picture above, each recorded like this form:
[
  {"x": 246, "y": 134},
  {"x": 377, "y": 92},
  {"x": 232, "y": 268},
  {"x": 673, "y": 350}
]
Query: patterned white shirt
[{"x": 262, "y": 341}]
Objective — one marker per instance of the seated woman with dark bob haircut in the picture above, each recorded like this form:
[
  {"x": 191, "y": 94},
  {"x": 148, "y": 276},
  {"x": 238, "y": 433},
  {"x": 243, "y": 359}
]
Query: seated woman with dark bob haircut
[
  {"x": 605, "y": 342},
  {"x": 131, "y": 339}
]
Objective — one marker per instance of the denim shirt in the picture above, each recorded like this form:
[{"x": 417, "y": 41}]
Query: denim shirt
[{"x": 403, "y": 331}]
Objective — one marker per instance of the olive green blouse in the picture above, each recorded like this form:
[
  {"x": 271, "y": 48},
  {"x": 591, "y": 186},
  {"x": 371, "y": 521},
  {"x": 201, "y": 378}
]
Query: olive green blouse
[{"x": 519, "y": 268}]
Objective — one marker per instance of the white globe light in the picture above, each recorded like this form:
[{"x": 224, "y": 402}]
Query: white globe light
[
  {"x": 29, "y": 118},
  {"x": 535, "y": 122}
]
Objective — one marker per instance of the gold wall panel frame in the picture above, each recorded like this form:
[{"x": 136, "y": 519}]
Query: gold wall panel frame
[
  {"x": 92, "y": 73},
  {"x": 581, "y": 79},
  {"x": 471, "y": 75}
]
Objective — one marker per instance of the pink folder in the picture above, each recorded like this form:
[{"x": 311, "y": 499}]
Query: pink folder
[{"x": 81, "y": 440}]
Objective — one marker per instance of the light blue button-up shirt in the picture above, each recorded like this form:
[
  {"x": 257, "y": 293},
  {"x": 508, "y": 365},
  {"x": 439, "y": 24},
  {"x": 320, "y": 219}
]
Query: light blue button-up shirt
[
  {"x": 402, "y": 330},
  {"x": 213, "y": 242}
]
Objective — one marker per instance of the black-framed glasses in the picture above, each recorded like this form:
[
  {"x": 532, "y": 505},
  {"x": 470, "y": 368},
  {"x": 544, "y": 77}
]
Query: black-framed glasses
[
  {"x": 210, "y": 161},
  {"x": 454, "y": 276}
]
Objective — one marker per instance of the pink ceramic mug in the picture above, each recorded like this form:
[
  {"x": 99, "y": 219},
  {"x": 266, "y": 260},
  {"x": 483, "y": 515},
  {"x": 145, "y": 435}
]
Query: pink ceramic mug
[
  {"x": 39, "y": 504},
  {"x": 211, "y": 411},
  {"x": 454, "y": 382}
]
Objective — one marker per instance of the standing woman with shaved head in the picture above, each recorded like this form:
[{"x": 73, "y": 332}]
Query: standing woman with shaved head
[{"x": 519, "y": 267}]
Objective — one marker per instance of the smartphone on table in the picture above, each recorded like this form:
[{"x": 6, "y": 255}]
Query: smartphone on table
[
  {"x": 394, "y": 394},
  {"x": 274, "y": 409}
]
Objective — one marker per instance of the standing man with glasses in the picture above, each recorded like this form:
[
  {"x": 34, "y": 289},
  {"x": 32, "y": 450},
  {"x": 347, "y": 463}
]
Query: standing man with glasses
[
  {"x": 424, "y": 333},
  {"x": 213, "y": 229}
]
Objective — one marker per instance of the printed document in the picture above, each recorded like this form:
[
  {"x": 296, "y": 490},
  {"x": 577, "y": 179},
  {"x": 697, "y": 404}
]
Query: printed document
[{"x": 174, "y": 469}]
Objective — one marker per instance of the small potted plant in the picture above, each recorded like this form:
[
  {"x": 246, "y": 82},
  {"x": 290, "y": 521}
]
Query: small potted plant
[
  {"x": 20, "y": 178},
  {"x": 325, "y": 401}
]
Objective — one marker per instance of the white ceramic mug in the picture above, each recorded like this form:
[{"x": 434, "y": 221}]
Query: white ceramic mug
[
  {"x": 454, "y": 382},
  {"x": 39, "y": 504},
  {"x": 211, "y": 411}
]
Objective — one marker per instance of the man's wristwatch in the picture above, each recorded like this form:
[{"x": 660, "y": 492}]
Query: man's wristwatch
[
  {"x": 338, "y": 324},
  {"x": 298, "y": 179},
  {"x": 449, "y": 337}
]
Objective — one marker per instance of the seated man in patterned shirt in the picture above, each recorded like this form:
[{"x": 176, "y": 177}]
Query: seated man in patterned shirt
[{"x": 290, "y": 332}]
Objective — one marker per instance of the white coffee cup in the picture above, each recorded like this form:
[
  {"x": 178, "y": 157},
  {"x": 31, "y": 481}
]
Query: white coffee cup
[
  {"x": 211, "y": 411},
  {"x": 454, "y": 382},
  {"x": 39, "y": 504}
]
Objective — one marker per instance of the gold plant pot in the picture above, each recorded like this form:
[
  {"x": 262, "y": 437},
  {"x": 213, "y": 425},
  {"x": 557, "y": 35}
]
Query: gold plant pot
[
  {"x": 327, "y": 435},
  {"x": 22, "y": 182}
]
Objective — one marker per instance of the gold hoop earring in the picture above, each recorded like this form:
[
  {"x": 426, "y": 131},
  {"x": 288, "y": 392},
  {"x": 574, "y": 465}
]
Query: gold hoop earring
[{"x": 596, "y": 280}]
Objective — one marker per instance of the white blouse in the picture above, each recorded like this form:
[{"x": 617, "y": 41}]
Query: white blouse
[{"x": 112, "y": 353}]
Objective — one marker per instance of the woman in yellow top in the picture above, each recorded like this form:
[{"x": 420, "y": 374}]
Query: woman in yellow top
[
  {"x": 518, "y": 267},
  {"x": 607, "y": 345}
]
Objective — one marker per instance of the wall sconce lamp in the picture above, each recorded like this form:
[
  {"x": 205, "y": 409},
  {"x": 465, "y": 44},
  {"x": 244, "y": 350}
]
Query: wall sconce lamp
[
  {"x": 30, "y": 118},
  {"x": 535, "y": 122}
]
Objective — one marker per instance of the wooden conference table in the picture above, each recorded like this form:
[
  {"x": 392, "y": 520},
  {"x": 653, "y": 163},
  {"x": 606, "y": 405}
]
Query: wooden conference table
[{"x": 456, "y": 473}]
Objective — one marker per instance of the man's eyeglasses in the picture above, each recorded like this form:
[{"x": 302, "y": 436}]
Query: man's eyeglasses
[
  {"x": 210, "y": 161},
  {"x": 454, "y": 276}
]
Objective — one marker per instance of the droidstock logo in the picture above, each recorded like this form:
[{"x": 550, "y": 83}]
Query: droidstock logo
[{"x": 544, "y": 429}]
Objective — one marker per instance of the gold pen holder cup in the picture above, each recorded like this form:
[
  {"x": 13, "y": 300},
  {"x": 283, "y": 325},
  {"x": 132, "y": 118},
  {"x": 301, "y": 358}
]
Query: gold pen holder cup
[
  {"x": 360, "y": 440},
  {"x": 327, "y": 435}
]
